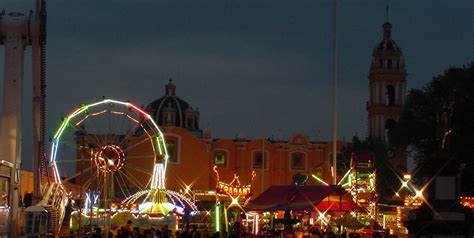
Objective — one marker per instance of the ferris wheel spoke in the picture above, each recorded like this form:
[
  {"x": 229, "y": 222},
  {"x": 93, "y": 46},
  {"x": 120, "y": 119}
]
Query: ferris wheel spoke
[
  {"x": 124, "y": 183},
  {"x": 90, "y": 139},
  {"x": 122, "y": 186},
  {"x": 108, "y": 125},
  {"x": 89, "y": 181},
  {"x": 76, "y": 174},
  {"x": 136, "y": 144},
  {"x": 72, "y": 160},
  {"x": 99, "y": 141},
  {"x": 140, "y": 157},
  {"x": 137, "y": 169},
  {"x": 122, "y": 116},
  {"x": 138, "y": 185},
  {"x": 133, "y": 179},
  {"x": 73, "y": 145},
  {"x": 128, "y": 135}
]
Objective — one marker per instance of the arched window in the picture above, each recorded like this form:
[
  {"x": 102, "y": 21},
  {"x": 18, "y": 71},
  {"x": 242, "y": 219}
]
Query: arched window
[
  {"x": 390, "y": 95},
  {"x": 220, "y": 158},
  {"x": 389, "y": 125},
  {"x": 389, "y": 64},
  {"x": 259, "y": 160},
  {"x": 298, "y": 161},
  {"x": 172, "y": 146}
]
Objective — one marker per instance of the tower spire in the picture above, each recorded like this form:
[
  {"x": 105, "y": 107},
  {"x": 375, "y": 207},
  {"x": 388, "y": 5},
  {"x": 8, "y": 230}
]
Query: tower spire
[{"x": 386, "y": 13}]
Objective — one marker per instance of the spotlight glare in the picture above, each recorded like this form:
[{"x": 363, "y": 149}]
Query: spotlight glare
[
  {"x": 404, "y": 184},
  {"x": 419, "y": 193}
]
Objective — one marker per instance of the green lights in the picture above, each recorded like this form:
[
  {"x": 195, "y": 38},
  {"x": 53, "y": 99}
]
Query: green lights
[
  {"x": 217, "y": 218},
  {"x": 319, "y": 179}
]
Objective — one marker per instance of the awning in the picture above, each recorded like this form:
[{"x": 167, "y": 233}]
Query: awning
[{"x": 303, "y": 198}]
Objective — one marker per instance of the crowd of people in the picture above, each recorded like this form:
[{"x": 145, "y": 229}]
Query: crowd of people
[
  {"x": 235, "y": 231},
  {"x": 128, "y": 231}
]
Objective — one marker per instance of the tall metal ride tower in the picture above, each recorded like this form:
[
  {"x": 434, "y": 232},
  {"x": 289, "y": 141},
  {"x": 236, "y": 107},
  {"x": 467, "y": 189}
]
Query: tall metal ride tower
[{"x": 18, "y": 31}]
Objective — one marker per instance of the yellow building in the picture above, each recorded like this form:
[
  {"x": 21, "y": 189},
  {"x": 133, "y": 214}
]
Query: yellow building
[{"x": 194, "y": 153}]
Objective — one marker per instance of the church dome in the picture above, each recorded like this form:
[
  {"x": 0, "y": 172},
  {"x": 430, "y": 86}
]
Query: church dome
[
  {"x": 387, "y": 57},
  {"x": 170, "y": 110},
  {"x": 387, "y": 43}
]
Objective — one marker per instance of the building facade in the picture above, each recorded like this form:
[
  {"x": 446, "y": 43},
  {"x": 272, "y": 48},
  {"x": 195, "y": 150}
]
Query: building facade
[{"x": 194, "y": 153}]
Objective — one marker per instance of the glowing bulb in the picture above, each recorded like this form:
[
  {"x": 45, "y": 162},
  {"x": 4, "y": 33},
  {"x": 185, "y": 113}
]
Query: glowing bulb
[
  {"x": 419, "y": 193},
  {"x": 235, "y": 201},
  {"x": 404, "y": 184}
]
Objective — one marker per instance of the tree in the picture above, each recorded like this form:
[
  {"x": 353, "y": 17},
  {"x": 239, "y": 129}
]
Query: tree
[{"x": 437, "y": 124}]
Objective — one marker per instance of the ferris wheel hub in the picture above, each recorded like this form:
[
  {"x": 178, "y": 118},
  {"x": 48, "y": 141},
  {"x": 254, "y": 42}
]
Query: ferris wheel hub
[{"x": 109, "y": 158}]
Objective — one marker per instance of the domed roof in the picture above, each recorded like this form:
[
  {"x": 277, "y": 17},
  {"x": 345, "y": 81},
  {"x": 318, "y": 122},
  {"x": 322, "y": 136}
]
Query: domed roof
[
  {"x": 387, "y": 43},
  {"x": 387, "y": 57},
  {"x": 170, "y": 110}
]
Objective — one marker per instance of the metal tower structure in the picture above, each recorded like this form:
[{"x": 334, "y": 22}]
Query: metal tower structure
[{"x": 18, "y": 31}]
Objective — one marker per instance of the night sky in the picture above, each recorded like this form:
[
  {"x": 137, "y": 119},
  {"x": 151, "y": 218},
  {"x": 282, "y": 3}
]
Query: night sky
[{"x": 261, "y": 68}]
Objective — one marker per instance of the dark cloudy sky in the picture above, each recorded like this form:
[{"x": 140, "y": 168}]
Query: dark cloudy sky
[{"x": 259, "y": 67}]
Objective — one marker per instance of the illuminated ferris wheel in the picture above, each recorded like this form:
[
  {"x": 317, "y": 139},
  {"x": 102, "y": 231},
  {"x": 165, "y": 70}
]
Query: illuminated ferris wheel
[{"x": 110, "y": 150}]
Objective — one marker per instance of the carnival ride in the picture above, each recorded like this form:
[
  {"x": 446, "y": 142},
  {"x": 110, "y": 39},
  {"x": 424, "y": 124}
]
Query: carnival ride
[
  {"x": 109, "y": 159},
  {"x": 362, "y": 181},
  {"x": 17, "y": 31}
]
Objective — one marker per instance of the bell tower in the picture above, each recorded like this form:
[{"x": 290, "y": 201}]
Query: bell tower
[{"x": 387, "y": 91}]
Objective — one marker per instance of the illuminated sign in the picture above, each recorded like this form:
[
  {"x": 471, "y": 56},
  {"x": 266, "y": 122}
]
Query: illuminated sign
[{"x": 233, "y": 190}]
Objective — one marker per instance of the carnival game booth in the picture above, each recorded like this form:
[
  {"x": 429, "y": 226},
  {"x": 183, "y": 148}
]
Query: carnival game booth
[{"x": 300, "y": 206}]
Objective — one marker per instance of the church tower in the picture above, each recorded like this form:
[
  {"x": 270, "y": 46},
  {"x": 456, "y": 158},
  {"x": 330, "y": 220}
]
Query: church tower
[{"x": 387, "y": 90}]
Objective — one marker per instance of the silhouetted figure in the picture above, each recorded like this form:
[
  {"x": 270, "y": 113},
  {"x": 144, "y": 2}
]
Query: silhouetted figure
[
  {"x": 195, "y": 233},
  {"x": 128, "y": 226},
  {"x": 136, "y": 232},
  {"x": 354, "y": 235},
  {"x": 97, "y": 233},
  {"x": 164, "y": 231},
  {"x": 236, "y": 229},
  {"x": 185, "y": 233}
]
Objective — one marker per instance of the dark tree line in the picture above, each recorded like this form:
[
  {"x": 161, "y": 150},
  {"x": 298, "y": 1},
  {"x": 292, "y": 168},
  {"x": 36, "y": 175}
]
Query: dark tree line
[{"x": 437, "y": 126}]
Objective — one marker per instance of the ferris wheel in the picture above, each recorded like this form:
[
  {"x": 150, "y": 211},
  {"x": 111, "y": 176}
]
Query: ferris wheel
[{"x": 112, "y": 150}]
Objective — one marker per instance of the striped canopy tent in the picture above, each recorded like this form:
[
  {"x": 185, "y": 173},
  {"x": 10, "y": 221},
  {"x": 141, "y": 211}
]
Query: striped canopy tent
[{"x": 335, "y": 199}]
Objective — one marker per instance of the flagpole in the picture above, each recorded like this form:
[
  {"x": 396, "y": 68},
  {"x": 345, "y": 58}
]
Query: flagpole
[
  {"x": 334, "y": 95},
  {"x": 263, "y": 151}
]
